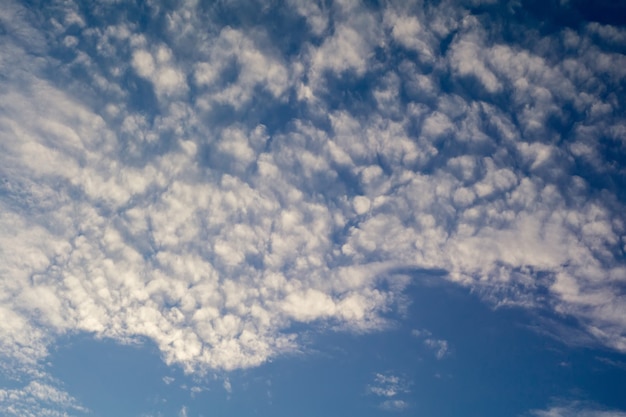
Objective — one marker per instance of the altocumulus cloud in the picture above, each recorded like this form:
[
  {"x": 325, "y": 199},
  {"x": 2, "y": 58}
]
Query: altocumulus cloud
[
  {"x": 390, "y": 388},
  {"x": 206, "y": 183},
  {"x": 38, "y": 399}
]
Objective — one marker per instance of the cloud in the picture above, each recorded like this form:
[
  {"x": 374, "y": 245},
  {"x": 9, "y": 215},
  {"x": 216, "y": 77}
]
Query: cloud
[
  {"x": 394, "y": 405},
  {"x": 348, "y": 48},
  {"x": 227, "y": 386},
  {"x": 389, "y": 387},
  {"x": 255, "y": 67},
  {"x": 577, "y": 409},
  {"x": 157, "y": 67},
  {"x": 408, "y": 32},
  {"x": 210, "y": 196},
  {"x": 39, "y": 398},
  {"x": 466, "y": 58},
  {"x": 439, "y": 346},
  {"x": 315, "y": 13}
]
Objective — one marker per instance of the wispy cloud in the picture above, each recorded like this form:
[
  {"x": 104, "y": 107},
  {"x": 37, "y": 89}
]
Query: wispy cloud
[
  {"x": 577, "y": 409},
  {"x": 391, "y": 388},
  {"x": 39, "y": 398},
  {"x": 388, "y": 385},
  {"x": 394, "y": 405},
  {"x": 440, "y": 347},
  {"x": 227, "y": 386}
]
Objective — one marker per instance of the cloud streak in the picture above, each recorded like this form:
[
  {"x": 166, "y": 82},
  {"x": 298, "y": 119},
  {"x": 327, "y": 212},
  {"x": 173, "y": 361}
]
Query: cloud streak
[
  {"x": 577, "y": 409},
  {"x": 39, "y": 399}
]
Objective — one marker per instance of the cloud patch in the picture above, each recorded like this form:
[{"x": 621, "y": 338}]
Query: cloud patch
[
  {"x": 39, "y": 398},
  {"x": 390, "y": 388},
  {"x": 440, "y": 347},
  {"x": 577, "y": 409}
]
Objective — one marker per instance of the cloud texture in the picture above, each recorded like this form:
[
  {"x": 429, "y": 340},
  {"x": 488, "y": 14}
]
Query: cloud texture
[{"x": 208, "y": 185}]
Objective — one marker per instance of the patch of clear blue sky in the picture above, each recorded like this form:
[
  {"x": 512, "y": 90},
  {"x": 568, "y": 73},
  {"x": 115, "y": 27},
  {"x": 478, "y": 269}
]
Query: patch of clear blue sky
[{"x": 497, "y": 366}]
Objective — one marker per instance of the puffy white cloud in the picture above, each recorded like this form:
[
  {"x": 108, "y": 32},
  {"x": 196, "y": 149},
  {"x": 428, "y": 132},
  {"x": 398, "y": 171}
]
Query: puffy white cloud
[
  {"x": 407, "y": 30},
  {"x": 467, "y": 57},
  {"x": 348, "y": 47},
  {"x": 315, "y": 13},
  {"x": 345, "y": 50},
  {"x": 157, "y": 67},
  {"x": 238, "y": 55}
]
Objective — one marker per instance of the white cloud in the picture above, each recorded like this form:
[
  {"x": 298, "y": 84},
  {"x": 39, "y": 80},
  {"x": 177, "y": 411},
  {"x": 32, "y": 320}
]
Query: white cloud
[
  {"x": 361, "y": 204},
  {"x": 257, "y": 67},
  {"x": 315, "y": 13},
  {"x": 157, "y": 67},
  {"x": 609, "y": 33},
  {"x": 349, "y": 46},
  {"x": 408, "y": 31},
  {"x": 390, "y": 387},
  {"x": 345, "y": 50},
  {"x": 39, "y": 398},
  {"x": 440, "y": 347},
  {"x": 227, "y": 386},
  {"x": 467, "y": 57},
  {"x": 577, "y": 409}
]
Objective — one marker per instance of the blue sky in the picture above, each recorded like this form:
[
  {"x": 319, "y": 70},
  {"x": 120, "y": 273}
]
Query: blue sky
[{"x": 311, "y": 208}]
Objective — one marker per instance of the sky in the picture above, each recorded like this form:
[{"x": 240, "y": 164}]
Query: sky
[{"x": 313, "y": 208}]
